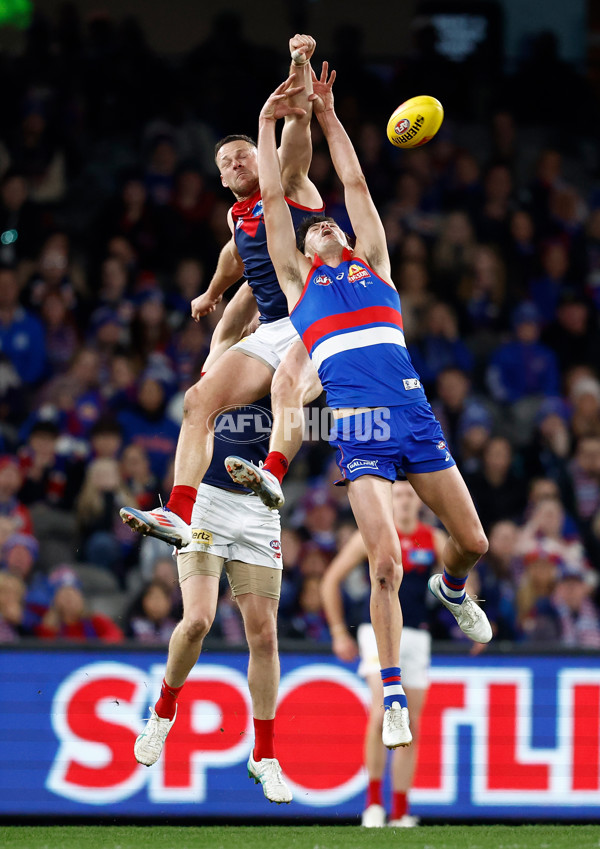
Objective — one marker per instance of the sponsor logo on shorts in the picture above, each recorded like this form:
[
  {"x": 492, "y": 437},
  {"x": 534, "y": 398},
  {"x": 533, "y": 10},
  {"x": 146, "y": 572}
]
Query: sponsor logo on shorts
[
  {"x": 441, "y": 445},
  {"x": 362, "y": 464},
  {"x": 356, "y": 273},
  {"x": 322, "y": 280},
  {"x": 402, "y": 126},
  {"x": 201, "y": 536},
  {"x": 275, "y": 544},
  {"x": 412, "y": 383}
]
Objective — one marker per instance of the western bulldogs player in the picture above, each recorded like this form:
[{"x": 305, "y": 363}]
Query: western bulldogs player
[
  {"x": 422, "y": 547},
  {"x": 346, "y": 309},
  {"x": 245, "y": 372},
  {"x": 231, "y": 528}
]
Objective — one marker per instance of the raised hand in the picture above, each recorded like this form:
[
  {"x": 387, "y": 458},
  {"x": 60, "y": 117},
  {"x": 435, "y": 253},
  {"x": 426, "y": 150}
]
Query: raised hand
[
  {"x": 302, "y": 48},
  {"x": 278, "y": 104},
  {"x": 322, "y": 96}
]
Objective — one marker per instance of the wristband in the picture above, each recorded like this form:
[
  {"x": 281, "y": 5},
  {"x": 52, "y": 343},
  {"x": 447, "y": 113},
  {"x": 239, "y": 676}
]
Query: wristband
[{"x": 297, "y": 54}]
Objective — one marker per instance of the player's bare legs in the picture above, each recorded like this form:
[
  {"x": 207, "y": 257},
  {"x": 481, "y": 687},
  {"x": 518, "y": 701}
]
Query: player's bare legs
[
  {"x": 446, "y": 493},
  {"x": 200, "y": 595},
  {"x": 234, "y": 379},
  {"x": 260, "y": 623},
  {"x": 371, "y": 501},
  {"x": 295, "y": 384}
]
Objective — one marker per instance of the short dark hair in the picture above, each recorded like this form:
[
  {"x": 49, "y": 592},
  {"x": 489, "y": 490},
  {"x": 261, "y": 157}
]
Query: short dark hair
[
  {"x": 305, "y": 226},
  {"x": 232, "y": 138}
]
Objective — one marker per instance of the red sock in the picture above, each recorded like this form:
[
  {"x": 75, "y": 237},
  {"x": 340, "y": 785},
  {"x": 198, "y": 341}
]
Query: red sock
[
  {"x": 277, "y": 464},
  {"x": 167, "y": 703},
  {"x": 264, "y": 739},
  {"x": 399, "y": 805},
  {"x": 182, "y": 502},
  {"x": 373, "y": 792}
]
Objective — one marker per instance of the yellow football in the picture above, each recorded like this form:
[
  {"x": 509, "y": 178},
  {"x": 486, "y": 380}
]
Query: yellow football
[{"x": 415, "y": 121}]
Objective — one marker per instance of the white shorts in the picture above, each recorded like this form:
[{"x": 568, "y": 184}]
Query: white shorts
[
  {"x": 269, "y": 342},
  {"x": 415, "y": 655},
  {"x": 235, "y": 526}
]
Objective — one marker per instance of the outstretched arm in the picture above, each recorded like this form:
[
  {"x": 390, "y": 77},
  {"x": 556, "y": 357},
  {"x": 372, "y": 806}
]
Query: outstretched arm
[
  {"x": 353, "y": 553},
  {"x": 367, "y": 225},
  {"x": 295, "y": 151},
  {"x": 281, "y": 238}
]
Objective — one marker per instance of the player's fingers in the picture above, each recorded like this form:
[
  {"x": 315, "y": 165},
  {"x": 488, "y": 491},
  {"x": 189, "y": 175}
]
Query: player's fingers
[{"x": 324, "y": 71}]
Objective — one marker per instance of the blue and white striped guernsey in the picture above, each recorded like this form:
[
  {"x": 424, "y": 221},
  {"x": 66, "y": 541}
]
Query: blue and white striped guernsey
[{"x": 350, "y": 321}]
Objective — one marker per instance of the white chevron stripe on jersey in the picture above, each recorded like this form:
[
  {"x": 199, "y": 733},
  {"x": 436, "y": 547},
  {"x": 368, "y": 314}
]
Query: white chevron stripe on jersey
[{"x": 356, "y": 339}]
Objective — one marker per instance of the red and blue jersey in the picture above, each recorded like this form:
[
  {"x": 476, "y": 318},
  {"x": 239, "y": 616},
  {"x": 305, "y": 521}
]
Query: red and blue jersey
[
  {"x": 251, "y": 241},
  {"x": 350, "y": 321}
]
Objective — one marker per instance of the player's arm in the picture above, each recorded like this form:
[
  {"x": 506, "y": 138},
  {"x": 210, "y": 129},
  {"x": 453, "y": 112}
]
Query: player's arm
[
  {"x": 366, "y": 223},
  {"x": 281, "y": 237},
  {"x": 228, "y": 271},
  {"x": 295, "y": 151},
  {"x": 238, "y": 320},
  {"x": 351, "y": 555}
]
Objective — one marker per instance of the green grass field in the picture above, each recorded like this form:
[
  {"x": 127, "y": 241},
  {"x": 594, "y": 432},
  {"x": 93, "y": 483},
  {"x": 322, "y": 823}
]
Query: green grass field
[{"x": 300, "y": 837}]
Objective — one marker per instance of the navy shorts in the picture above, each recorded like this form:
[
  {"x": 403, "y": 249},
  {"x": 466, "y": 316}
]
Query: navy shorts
[{"x": 389, "y": 442}]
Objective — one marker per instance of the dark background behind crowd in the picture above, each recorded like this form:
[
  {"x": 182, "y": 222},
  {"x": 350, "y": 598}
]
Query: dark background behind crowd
[{"x": 111, "y": 220}]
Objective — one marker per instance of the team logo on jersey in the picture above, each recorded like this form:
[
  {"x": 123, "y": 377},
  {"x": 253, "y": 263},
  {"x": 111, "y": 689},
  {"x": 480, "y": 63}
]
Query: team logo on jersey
[
  {"x": 356, "y": 273},
  {"x": 322, "y": 280},
  {"x": 258, "y": 209},
  {"x": 201, "y": 536}
]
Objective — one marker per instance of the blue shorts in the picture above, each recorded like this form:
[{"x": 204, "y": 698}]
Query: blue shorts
[{"x": 390, "y": 441}]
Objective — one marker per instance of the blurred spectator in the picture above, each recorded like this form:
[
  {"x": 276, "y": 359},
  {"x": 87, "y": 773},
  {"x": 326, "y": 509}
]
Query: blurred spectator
[
  {"x": 55, "y": 274},
  {"x": 591, "y": 258},
  {"x": 496, "y": 489},
  {"x": 482, "y": 292},
  {"x": 149, "y": 619},
  {"x": 147, "y": 425},
  {"x": 21, "y": 333},
  {"x": 547, "y": 530},
  {"x": 440, "y": 346},
  {"x": 19, "y": 558},
  {"x": 137, "y": 476},
  {"x": 316, "y": 516},
  {"x": 496, "y": 574},
  {"x": 571, "y": 334},
  {"x": 578, "y": 617},
  {"x": 309, "y": 622},
  {"x": 20, "y": 221},
  {"x": 545, "y": 291},
  {"x": 453, "y": 254},
  {"x": 464, "y": 189},
  {"x": 131, "y": 215},
  {"x": 493, "y": 217},
  {"x": 523, "y": 367},
  {"x": 459, "y": 413},
  {"x": 412, "y": 281},
  {"x": 50, "y": 477},
  {"x": 11, "y": 480},
  {"x": 585, "y": 399},
  {"x": 547, "y": 453},
  {"x": 102, "y": 495},
  {"x": 68, "y": 617},
  {"x": 159, "y": 179},
  {"x": 521, "y": 254},
  {"x": 12, "y": 607},
  {"x": 537, "y": 615},
  {"x": 62, "y": 337},
  {"x": 106, "y": 439}
]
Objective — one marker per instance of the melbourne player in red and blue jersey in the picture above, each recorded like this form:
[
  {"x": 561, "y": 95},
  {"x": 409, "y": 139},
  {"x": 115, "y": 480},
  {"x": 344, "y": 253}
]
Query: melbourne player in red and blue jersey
[{"x": 345, "y": 307}]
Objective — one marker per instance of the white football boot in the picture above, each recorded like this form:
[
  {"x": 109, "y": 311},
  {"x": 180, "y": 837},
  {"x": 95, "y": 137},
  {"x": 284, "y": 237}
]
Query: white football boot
[
  {"x": 471, "y": 619},
  {"x": 407, "y": 821},
  {"x": 149, "y": 744},
  {"x": 259, "y": 480},
  {"x": 268, "y": 773},
  {"x": 396, "y": 729},
  {"x": 373, "y": 817}
]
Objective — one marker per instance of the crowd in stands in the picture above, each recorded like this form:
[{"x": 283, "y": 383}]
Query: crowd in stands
[{"x": 111, "y": 220}]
